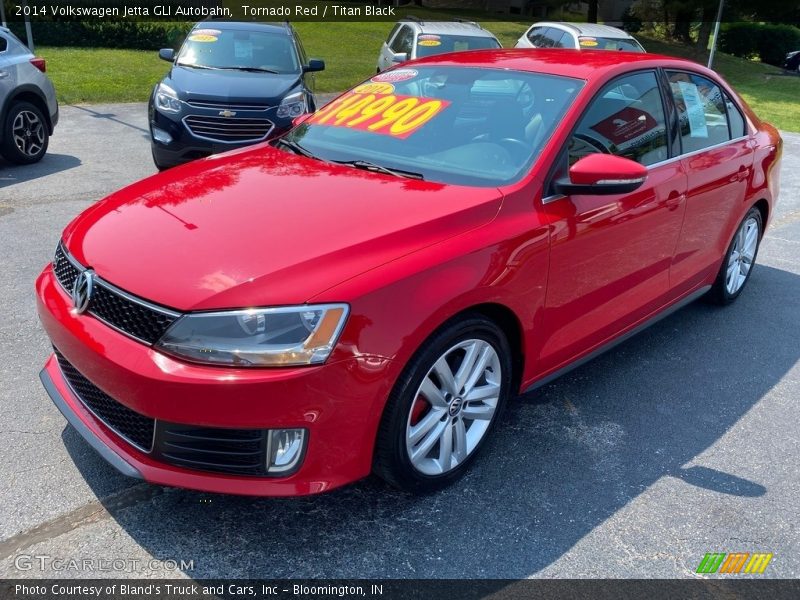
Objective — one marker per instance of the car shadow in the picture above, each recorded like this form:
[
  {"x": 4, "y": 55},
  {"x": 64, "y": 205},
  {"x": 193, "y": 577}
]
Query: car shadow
[
  {"x": 566, "y": 458},
  {"x": 49, "y": 165}
]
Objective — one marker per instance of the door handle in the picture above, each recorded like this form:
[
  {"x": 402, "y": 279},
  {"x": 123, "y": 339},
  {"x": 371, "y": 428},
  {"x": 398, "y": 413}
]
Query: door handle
[
  {"x": 741, "y": 175},
  {"x": 3, "y": 74},
  {"x": 675, "y": 200}
]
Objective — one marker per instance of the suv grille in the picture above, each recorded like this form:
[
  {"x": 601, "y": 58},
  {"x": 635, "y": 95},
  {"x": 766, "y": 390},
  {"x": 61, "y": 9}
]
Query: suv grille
[
  {"x": 134, "y": 317},
  {"x": 228, "y": 129},
  {"x": 210, "y": 104},
  {"x": 134, "y": 428}
]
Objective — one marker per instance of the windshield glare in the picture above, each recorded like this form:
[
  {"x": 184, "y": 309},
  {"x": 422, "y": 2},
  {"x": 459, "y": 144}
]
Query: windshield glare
[
  {"x": 430, "y": 44},
  {"x": 469, "y": 126},
  {"x": 227, "y": 48}
]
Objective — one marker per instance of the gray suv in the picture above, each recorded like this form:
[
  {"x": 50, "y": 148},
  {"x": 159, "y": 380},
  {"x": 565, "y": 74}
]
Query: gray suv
[
  {"x": 28, "y": 106},
  {"x": 413, "y": 38}
]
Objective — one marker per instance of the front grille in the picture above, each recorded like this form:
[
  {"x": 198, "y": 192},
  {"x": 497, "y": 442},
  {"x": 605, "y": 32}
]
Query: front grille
[
  {"x": 122, "y": 311},
  {"x": 228, "y": 129},
  {"x": 136, "y": 429},
  {"x": 235, "y": 451},
  {"x": 225, "y": 105}
]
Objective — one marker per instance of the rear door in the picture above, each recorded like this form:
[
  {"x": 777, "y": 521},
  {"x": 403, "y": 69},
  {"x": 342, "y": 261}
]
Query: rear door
[
  {"x": 7, "y": 69},
  {"x": 385, "y": 56},
  {"x": 718, "y": 157},
  {"x": 610, "y": 255}
]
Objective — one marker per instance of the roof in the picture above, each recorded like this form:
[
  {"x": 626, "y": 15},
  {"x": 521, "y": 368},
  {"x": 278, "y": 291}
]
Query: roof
[
  {"x": 449, "y": 27},
  {"x": 567, "y": 63},
  {"x": 243, "y": 26},
  {"x": 590, "y": 29}
]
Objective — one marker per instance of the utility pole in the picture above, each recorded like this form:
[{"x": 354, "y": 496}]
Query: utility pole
[{"x": 716, "y": 34}]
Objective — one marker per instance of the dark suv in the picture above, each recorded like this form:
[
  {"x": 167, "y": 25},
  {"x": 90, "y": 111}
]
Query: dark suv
[{"x": 231, "y": 84}]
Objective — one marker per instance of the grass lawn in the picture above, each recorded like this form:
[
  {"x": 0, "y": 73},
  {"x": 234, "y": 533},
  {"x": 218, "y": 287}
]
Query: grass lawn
[{"x": 350, "y": 51}]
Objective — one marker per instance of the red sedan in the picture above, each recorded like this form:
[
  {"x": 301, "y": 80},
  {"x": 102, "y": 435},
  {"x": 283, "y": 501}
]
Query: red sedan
[{"x": 366, "y": 293}]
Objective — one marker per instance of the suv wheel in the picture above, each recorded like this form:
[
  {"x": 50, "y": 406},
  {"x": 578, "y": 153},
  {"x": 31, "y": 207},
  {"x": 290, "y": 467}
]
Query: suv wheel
[{"x": 25, "y": 136}]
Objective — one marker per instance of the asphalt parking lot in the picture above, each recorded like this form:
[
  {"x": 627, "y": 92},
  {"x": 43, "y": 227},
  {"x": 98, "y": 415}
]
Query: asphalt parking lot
[{"x": 681, "y": 441}]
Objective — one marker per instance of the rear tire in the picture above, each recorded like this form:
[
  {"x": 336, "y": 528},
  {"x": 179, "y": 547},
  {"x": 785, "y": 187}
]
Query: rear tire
[
  {"x": 737, "y": 266},
  {"x": 444, "y": 406},
  {"x": 25, "y": 136}
]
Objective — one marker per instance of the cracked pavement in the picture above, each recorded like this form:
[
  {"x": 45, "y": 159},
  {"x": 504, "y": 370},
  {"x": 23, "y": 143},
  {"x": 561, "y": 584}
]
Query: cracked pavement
[{"x": 681, "y": 441}]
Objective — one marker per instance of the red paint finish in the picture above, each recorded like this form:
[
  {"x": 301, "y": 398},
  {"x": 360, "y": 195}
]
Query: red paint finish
[{"x": 261, "y": 227}]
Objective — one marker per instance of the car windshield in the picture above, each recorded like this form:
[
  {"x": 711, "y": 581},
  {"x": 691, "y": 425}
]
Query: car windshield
[
  {"x": 461, "y": 125},
  {"x": 602, "y": 43},
  {"x": 239, "y": 49},
  {"x": 429, "y": 44}
]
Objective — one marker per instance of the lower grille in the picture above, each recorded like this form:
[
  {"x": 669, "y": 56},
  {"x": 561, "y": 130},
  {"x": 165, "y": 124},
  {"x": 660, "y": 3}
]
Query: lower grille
[
  {"x": 134, "y": 428},
  {"x": 235, "y": 451},
  {"x": 228, "y": 130}
]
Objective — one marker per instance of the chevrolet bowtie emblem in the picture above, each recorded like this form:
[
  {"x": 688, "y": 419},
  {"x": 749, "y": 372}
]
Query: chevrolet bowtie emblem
[{"x": 227, "y": 113}]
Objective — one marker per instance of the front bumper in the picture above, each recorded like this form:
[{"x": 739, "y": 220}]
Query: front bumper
[{"x": 339, "y": 403}]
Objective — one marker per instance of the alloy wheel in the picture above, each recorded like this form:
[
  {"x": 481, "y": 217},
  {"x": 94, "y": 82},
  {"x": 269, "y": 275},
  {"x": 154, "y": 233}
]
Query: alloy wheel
[
  {"x": 453, "y": 407},
  {"x": 28, "y": 133},
  {"x": 742, "y": 255}
]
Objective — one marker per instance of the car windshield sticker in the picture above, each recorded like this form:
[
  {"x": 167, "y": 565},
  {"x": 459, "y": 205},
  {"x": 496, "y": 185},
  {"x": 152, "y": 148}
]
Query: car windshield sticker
[
  {"x": 385, "y": 114},
  {"x": 694, "y": 109},
  {"x": 202, "y": 37},
  {"x": 213, "y": 32},
  {"x": 374, "y": 88},
  {"x": 395, "y": 76},
  {"x": 589, "y": 42},
  {"x": 429, "y": 40},
  {"x": 625, "y": 125}
]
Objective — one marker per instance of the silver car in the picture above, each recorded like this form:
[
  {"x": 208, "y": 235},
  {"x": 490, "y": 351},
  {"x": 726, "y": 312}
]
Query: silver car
[
  {"x": 413, "y": 38},
  {"x": 28, "y": 106}
]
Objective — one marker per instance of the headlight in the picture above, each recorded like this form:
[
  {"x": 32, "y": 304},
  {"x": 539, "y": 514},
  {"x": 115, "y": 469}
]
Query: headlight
[
  {"x": 167, "y": 99},
  {"x": 259, "y": 337},
  {"x": 292, "y": 106}
]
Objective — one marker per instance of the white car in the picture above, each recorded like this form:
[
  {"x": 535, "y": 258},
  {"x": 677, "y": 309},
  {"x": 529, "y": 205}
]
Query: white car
[
  {"x": 577, "y": 36},
  {"x": 413, "y": 38}
]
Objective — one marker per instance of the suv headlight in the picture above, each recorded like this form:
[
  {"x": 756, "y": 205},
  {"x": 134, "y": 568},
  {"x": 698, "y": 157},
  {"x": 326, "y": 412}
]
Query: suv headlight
[
  {"x": 167, "y": 99},
  {"x": 292, "y": 106},
  {"x": 259, "y": 337}
]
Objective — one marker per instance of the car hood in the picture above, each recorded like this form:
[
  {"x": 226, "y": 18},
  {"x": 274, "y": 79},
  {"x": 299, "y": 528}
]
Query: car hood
[
  {"x": 259, "y": 227},
  {"x": 232, "y": 86}
]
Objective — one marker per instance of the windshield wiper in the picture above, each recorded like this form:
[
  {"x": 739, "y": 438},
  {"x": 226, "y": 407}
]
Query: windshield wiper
[
  {"x": 180, "y": 64},
  {"x": 295, "y": 147},
  {"x": 370, "y": 166},
  {"x": 250, "y": 70}
]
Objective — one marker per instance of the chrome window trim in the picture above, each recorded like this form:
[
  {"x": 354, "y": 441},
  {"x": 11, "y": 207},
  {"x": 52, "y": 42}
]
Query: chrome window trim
[{"x": 101, "y": 419}]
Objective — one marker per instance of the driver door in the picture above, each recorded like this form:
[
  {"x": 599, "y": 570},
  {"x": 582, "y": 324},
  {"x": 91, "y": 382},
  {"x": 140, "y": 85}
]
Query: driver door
[{"x": 610, "y": 255}]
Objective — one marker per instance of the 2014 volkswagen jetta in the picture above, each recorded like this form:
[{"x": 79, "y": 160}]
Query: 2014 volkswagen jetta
[{"x": 368, "y": 291}]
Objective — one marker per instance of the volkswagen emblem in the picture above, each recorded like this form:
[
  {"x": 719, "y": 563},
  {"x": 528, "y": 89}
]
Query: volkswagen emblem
[
  {"x": 455, "y": 406},
  {"x": 227, "y": 113},
  {"x": 82, "y": 291}
]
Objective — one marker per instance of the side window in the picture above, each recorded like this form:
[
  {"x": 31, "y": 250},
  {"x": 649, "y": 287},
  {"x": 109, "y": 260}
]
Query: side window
[
  {"x": 701, "y": 111},
  {"x": 735, "y": 119},
  {"x": 561, "y": 39},
  {"x": 535, "y": 36},
  {"x": 568, "y": 41},
  {"x": 392, "y": 32},
  {"x": 627, "y": 119},
  {"x": 3, "y": 44},
  {"x": 546, "y": 40},
  {"x": 403, "y": 41}
]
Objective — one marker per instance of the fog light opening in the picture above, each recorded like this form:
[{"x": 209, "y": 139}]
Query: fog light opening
[
  {"x": 161, "y": 136},
  {"x": 285, "y": 450}
]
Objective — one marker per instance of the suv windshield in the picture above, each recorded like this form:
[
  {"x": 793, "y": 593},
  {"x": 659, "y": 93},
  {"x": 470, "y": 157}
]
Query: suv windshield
[
  {"x": 239, "y": 49},
  {"x": 460, "y": 125},
  {"x": 429, "y": 44}
]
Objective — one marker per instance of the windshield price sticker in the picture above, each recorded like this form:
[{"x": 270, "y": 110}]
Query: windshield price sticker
[
  {"x": 386, "y": 114},
  {"x": 587, "y": 41},
  {"x": 202, "y": 37}
]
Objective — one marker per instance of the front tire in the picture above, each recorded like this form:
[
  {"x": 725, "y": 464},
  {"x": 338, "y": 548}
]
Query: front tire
[
  {"x": 25, "y": 136},
  {"x": 444, "y": 406},
  {"x": 737, "y": 266}
]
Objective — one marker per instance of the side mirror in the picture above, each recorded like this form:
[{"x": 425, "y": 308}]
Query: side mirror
[
  {"x": 314, "y": 64},
  {"x": 399, "y": 57},
  {"x": 300, "y": 119},
  {"x": 602, "y": 174},
  {"x": 167, "y": 54}
]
